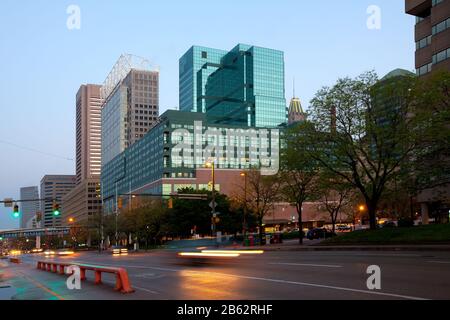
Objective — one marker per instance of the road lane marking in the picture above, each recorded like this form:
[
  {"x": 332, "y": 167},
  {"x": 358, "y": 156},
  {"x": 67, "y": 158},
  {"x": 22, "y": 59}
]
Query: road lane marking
[
  {"x": 134, "y": 287},
  {"x": 134, "y": 266},
  {"x": 143, "y": 289},
  {"x": 109, "y": 282},
  {"x": 306, "y": 265},
  {"x": 351, "y": 254},
  {"x": 440, "y": 262},
  {"x": 393, "y": 295},
  {"x": 315, "y": 285},
  {"x": 41, "y": 286}
]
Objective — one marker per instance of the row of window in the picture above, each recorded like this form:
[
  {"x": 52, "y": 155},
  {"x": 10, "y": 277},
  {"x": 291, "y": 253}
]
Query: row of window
[
  {"x": 438, "y": 57},
  {"x": 144, "y": 123},
  {"x": 434, "y": 3},
  {"x": 440, "y": 26},
  {"x": 424, "y": 69},
  {"x": 144, "y": 118},
  {"x": 141, "y": 76},
  {"x": 441, "y": 56},
  {"x": 425, "y": 42}
]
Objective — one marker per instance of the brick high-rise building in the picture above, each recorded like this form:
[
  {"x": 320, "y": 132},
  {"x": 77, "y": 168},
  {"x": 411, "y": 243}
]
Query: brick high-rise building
[
  {"x": 432, "y": 34},
  {"x": 296, "y": 113}
]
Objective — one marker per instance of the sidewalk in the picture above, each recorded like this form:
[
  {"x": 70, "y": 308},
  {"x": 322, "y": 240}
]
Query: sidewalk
[{"x": 293, "y": 245}]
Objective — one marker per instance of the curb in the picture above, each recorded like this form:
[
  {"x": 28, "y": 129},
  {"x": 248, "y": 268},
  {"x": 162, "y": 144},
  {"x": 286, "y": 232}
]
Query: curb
[{"x": 360, "y": 248}]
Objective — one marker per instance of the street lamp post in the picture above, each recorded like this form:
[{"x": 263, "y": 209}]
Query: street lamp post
[
  {"x": 244, "y": 226},
  {"x": 213, "y": 212},
  {"x": 213, "y": 199},
  {"x": 361, "y": 208},
  {"x": 73, "y": 231},
  {"x": 117, "y": 213}
]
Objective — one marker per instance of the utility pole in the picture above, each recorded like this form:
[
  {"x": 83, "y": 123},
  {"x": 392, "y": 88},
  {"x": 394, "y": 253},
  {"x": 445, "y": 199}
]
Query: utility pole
[
  {"x": 117, "y": 212},
  {"x": 102, "y": 244},
  {"x": 244, "y": 225},
  {"x": 213, "y": 200}
]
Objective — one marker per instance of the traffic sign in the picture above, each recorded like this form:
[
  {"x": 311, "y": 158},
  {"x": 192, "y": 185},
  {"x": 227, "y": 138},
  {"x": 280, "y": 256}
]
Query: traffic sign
[
  {"x": 213, "y": 204},
  {"x": 8, "y": 202}
]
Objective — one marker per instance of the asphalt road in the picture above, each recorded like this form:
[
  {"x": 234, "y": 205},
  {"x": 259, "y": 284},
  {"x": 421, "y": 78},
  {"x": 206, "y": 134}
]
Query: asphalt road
[{"x": 271, "y": 276}]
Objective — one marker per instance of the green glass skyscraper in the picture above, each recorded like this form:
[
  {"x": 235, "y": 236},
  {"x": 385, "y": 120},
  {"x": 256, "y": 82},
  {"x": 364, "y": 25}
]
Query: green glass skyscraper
[{"x": 244, "y": 86}]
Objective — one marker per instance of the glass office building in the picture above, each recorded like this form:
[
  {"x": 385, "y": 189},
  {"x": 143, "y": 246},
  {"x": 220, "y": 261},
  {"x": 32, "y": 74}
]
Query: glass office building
[
  {"x": 243, "y": 87},
  {"x": 174, "y": 152},
  {"x": 113, "y": 132}
]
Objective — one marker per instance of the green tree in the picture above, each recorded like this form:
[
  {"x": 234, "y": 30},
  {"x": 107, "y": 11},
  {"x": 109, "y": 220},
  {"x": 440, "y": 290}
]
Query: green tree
[
  {"x": 262, "y": 194},
  {"x": 188, "y": 214},
  {"x": 367, "y": 131},
  {"x": 335, "y": 195},
  {"x": 431, "y": 161},
  {"x": 151, "y": 220},
  {"x": 299, "y": 170}
]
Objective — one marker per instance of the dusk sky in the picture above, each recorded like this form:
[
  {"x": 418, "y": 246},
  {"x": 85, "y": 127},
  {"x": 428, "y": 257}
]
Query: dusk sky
[{"x": 43, "y": 63}]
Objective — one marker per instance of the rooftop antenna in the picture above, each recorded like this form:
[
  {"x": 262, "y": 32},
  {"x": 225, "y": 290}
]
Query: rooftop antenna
[{"x": 293, "y": 87}]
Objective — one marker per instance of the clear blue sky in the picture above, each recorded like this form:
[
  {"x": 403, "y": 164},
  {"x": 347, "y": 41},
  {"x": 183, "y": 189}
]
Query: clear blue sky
[{"x": 42, "y": 63}]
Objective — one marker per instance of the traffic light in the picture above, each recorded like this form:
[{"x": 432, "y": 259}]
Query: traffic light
[
  {"x": 170, "y": 203},
  {"x": 16, "y": 212},
  {"x": 56, "y": 211},
  {"x": 119, "y": 203}
]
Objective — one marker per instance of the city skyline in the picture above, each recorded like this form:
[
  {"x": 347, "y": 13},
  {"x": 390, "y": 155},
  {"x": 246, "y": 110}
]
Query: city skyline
[{"x": 49, "y": 124}]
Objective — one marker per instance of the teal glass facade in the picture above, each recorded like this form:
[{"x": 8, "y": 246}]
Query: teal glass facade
[
  {"x": 177, "y": 146},
  {"x": 243, "y": 87},
  {"x": 191, "y": 65}
]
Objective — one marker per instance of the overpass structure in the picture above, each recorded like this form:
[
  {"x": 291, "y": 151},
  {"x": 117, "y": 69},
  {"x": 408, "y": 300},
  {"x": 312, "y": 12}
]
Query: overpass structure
[{"x": 37, "y": 232}]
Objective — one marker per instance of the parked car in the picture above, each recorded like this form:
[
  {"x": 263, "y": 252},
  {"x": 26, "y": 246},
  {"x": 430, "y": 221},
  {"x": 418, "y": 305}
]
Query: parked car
[
  {"x": 343, "y": 228},
  {"x": 319, "y": 234},
  {"x": 388, "y": 224}
]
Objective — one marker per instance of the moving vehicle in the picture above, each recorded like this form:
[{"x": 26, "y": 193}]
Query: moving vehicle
[
  {"x": 65, "y": 252},
  {"x": 119, "y": 250}
]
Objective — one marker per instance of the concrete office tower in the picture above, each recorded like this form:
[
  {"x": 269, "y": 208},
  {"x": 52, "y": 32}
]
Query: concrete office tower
[
  {"x": 432, "y": 34},
  {"x": 54, "y": 187},
  {"x": 28, "y": 209},
  {"x": 82, "y": 202},
  {"x": 243, "y": 87},
  {"x": 131, "y": 106},
  {"x": 88, "y": 132}
]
